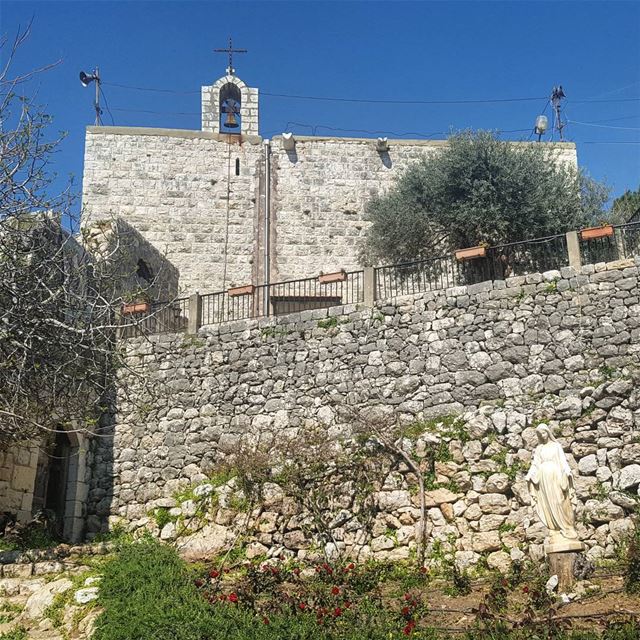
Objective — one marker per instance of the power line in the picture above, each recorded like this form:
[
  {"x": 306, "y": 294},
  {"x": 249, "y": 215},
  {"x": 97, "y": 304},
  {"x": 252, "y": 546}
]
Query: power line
[
  {"x": 152, "y": 89},
  {"x": 375, "y": 100},
  {"x": 160, "y": 113},
  {"x": 314, "y": 128},
  {"x": 602, "y": 101},
  {"x": 386, "y": 101},
  {"x": 603, "y": 126},
  {"x": 106, "y": 104}
]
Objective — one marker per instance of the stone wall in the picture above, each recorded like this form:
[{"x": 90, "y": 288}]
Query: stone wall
[
  {"x": 17, "y": 476},
  {"x": 561, "y": 347},
  {"x": 319, "y": 194},
  {"x": 171, "y": 186}
]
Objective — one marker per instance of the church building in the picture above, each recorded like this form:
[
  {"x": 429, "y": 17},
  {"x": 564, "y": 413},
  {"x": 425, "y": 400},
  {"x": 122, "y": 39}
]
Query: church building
[{"x": 227, "y": 207}]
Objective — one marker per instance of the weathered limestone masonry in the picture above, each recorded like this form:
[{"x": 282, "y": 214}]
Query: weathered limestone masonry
[
  {"x": 199, "y": 197},
  {"x": 17, "y": 475},
  {"x": 559, "y": 346},
  {"x": 320, "y": 190},
  {"x": 180, "y": 190}
]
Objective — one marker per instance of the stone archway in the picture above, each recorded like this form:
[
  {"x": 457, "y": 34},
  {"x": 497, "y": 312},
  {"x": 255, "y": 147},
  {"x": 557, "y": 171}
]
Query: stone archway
[{"x": 60, "y": 486}]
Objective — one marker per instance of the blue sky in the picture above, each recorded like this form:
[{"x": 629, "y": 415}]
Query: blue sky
[{"x": 373, "y": 50}]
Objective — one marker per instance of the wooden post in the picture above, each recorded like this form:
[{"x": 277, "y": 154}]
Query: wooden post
[{"x": 195, "y": 313}]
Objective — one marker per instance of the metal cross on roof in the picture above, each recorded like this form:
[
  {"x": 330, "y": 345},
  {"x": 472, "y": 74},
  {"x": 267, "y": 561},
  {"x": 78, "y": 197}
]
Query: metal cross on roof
[{"x": 230, "y": 50}]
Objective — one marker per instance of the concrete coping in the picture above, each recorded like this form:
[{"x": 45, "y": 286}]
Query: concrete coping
[
  {"x": 173, "y": 133},
  {"x": 257, "y": 139}
]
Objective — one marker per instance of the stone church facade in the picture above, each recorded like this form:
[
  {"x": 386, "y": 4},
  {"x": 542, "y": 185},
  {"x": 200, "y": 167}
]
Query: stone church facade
[
  {"x": 228, "y": 207},
  {"x": 210, "y": 209}
]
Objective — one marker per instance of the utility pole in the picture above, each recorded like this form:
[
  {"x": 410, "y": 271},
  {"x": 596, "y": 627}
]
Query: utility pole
[{"x": 557, "y": 94}]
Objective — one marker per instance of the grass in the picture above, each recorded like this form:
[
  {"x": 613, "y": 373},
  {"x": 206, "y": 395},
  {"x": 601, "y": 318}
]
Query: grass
[
  {"x": 19, "y": 633},
  {"x": 9, "y": 612},
  {"x": 328, "y": 323},
  {"x": 30, "y": 537},
  {"x": 148, "y": 593}
]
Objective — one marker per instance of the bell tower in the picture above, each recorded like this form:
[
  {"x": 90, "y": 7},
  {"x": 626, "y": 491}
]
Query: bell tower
[{"x": 229, "y": 106}]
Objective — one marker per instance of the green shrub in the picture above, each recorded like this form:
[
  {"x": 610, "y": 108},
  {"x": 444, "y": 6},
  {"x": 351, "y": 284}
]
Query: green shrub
[
  {"x": 148, "y": 594},
  {"x": 632, "y": 562},
  {"x": 19, "y": 633}
]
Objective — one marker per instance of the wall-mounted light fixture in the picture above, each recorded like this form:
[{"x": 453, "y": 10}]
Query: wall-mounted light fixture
[
  {"x": 288, "y": 142},
  {"x": 382, "y": 145}
]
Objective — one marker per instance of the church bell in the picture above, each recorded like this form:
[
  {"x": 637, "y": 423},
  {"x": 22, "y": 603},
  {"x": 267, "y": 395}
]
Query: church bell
[{"x": 231, "y": 121}]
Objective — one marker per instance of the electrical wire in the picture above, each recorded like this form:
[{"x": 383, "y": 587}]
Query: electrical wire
[
  {"x": 106, "y": 104},
  {"x": 133, "y": 88},
  {"x": 604, "y": 126},
  {"x": 314, "y": 128},
  {"x": 373, "y": 100},
  {"x": 387, "y": 101},
  {"x": 160, "y": 113}
]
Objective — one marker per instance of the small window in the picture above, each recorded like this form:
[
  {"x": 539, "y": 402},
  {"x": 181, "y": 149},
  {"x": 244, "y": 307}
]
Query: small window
[
  {"x": 143, "y": 271},
  {"x": 237, "y": 166}
]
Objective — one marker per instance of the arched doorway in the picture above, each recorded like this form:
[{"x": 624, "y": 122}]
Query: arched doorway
[{"x": 56, "y": 482}]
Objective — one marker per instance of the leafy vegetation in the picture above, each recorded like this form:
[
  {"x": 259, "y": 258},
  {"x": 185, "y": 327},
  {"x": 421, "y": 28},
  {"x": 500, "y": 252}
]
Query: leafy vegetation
[
  {"x": 19, "y": 633},
  {"x": 627, "y": 206},
  {"x": 479, "y": 190},
  {"x": 148, "y": 593},
  {"x": 632, "y": 563}
]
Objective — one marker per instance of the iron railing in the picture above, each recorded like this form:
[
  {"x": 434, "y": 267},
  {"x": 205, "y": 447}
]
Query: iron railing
[
  {"x": 500, "y": 262},
  {"x": 427, "y": 275},
  {"x": 162, "y": 317},
  {"x": 528, "y": 256},
  {"x": 389, "y": 281},
  {"x": 624, "y": 243},
  {"x": 282, "y": 297}
]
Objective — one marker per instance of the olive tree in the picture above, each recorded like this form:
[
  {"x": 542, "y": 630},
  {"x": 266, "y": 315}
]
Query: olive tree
[{"x": 477, "y": 190}]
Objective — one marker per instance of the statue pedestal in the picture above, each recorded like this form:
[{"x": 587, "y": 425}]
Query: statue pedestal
[{"x": 561, "y": 557}]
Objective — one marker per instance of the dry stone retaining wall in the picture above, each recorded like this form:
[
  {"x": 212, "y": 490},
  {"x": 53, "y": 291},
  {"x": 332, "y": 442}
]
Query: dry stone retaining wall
[{"x": 559, "y": 346}]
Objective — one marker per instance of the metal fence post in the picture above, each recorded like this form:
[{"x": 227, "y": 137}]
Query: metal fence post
[
  {"x": 195, "y": 313},
  {"x": 573, "y": 249},
  {"x": 369, "y": 286}
]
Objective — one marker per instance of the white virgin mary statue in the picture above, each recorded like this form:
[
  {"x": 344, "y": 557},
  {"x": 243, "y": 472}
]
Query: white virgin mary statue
[{"x": 551, "y": 488}]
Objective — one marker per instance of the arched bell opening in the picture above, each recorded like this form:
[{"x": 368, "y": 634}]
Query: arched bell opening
[{"x": 230, "y": 104}]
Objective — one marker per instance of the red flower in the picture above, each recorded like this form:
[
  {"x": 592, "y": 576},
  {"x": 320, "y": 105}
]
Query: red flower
[
  {"x": 296, "y": 572},
  {"x": 198, "y": 583},
  {"x": 265, "y": 620},
  {"x": 337, "y": 612},
  {"x": 335, "y": 591},
  {"x": 405, "y": 611},
  {"x": 409, "y": 628},
  {"x": 424, "y": 570},
  {"x": 302, "y": 606},
  {"x": 407, "y": 596},
  {"x": 525, "y": 590},
  {"x": 347, "y": 604},
  {"x": 504, "y": 583},
  {"x": 227, "y": 570},
  {"x": 233, "y": 597},
  {"x": 213, "y": 573}
]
